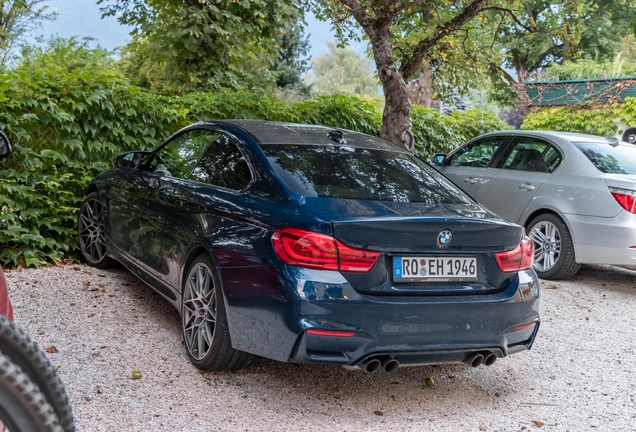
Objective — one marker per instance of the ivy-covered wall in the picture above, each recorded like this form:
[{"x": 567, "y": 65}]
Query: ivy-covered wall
[
  {"x": 595, "y": 120},
  {"x": 67, "y": 127}
]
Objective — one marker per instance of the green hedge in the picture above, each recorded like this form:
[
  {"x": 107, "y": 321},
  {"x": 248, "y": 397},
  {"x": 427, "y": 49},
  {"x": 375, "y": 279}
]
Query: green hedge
[
  {"x": 67, "y": 127},
  {"x": 595, "y": 120}
]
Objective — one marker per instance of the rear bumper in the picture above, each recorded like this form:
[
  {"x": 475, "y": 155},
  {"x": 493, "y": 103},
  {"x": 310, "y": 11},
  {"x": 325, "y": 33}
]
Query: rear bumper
[
  {"x": 413, "y": 329},
  {"x": 604, "y": 240}
]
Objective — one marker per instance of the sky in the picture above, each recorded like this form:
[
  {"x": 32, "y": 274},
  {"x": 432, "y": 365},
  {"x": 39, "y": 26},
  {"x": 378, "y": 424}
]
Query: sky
[{"x": 82, "y": 18}]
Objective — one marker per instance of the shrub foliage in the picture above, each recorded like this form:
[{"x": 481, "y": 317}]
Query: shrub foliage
[
  {"x": 69, "y": 124},
  {"x": 595, "y": 120}
]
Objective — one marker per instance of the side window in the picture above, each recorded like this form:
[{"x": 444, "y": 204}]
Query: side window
[
  {"x": 478, "y": 153},
  {"x": 524, "y": 155},
  {"x": 180, "y": 156},
  {"x": 223, "y": 165},
  {"x": 550, "y": 161}
]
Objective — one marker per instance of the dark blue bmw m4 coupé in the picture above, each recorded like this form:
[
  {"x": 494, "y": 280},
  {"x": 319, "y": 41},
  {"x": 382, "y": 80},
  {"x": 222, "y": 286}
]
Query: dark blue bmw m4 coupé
[{"x": 308, "y": 244}]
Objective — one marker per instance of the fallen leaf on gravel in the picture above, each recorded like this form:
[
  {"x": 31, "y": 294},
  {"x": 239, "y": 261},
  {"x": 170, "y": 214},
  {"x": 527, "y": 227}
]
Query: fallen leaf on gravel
[
  {"x": 538, "y": 423},
  {"x": 111, "y": 295},
  {"x": 552, "y": 377},
  {"x": 378, "y": 413},
  {"x": 136, "y": 374},
  {"x": 98, "y": 391},
  {"x": 429, "y": 382},
  {"x": 103, "y": 290},
  {"x": 87, "y": 283},
  {"x": 52, "y": 350},
  {"x": 87, "y": 398},
  {"x": 587, "y": 318},
  {"x": 143, "y": 332},
  {"x": 101, "y": 275},
  {"x": 75, "y": 268},
  {"x": 481, "y": 428},
  {"x": 553, "y": 286},
  {"x": 91, "y": 315},
  {"x": 72, "y": 304}
]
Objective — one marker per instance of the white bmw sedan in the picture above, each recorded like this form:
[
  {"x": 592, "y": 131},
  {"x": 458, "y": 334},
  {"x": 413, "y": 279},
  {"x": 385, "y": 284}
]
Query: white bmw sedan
[{"x": 574, "y": 193}]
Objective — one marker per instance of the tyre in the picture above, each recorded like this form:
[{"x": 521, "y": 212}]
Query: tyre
[
  {"x": 630, "y": 135},
  {"x": 23, "y": 407},
  {"x": 553, "y": 248},
  {"x": 24, "y": 352},
  {"x": 90, "y": 230},
  {"x": 204, "y": 322}
]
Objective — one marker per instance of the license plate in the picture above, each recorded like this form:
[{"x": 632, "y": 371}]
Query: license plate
[{"x": 434, "y": 269}]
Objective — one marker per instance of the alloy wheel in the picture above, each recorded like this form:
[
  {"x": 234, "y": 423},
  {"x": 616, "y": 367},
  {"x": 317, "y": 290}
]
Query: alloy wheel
[
  {"x": 91, "y": 231},
  {"x": 547, "y": 245},
  {"x": 199, "y": 311}
]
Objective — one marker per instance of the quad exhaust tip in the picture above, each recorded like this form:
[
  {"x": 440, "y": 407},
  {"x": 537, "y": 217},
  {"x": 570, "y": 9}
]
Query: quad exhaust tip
[
  {"x": 387, "y": 364},
  {"x": 486, "y": 358}
]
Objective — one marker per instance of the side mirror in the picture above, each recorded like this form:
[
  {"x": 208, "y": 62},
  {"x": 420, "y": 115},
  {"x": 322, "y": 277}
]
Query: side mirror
[
  {"x": 439, "y": 158},
  {"x": 5, "y": 146}
]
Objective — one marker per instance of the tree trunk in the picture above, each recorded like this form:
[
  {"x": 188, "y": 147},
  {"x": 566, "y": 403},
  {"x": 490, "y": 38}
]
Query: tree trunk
[
  {"x": 396, "y": 120},
  {"x": 519, "y": 87},
  {"x": 397, "y": 110},
  {"x": 423, "y": 95}
]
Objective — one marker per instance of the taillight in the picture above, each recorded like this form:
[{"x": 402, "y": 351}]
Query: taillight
[
  {"x": 520, "y": 258},
  {"x": 625, "y": 197},
  {"x": 310, "y": 249}
]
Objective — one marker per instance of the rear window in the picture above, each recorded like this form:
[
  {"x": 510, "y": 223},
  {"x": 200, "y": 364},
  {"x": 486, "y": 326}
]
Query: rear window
[
  {"x": 609, "y": 159},
  {"x": 342, "y": 171}
]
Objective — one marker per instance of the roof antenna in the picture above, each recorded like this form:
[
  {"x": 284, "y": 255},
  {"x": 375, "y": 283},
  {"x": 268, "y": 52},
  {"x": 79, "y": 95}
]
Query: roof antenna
[
  {"x": 337, "y": 136},
  {"x": 613, "y": 141}
]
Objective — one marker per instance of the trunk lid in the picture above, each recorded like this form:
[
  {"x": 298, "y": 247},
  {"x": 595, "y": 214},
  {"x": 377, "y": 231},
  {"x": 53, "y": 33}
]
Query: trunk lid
[
  {"x": 414, "y": 227},
  {"x": 403, "y": 230}
]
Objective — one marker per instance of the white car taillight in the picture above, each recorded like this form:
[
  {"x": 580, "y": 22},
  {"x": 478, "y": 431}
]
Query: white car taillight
[{"x": 625, "y": 197}]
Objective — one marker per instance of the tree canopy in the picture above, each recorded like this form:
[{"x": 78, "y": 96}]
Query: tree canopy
[
  {"x": 401, "y": 34},
  {"x": 18, "y": 19},
  {"x": 343, "y": 71},
  {"x": 185, "y": 45}
]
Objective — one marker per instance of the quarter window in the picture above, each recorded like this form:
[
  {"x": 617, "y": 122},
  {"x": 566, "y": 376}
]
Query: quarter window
[
  {"x": 550, "y": 161},
  {"x": 478, "y": 153},
  {"x": 223, "y": 165}
]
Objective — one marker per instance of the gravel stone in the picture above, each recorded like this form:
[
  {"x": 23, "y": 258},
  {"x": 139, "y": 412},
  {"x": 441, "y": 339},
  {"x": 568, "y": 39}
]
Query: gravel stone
[{"x": 105, "y": 323}]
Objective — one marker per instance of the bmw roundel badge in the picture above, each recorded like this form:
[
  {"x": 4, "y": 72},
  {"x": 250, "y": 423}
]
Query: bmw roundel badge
[{"x": 444, "y": 238}]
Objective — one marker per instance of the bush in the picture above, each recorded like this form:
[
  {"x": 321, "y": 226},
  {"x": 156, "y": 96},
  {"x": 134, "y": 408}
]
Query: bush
[
  {"x": 437, "y": 133},
  {"x": 594, "y": 120},
  {"x": 68, "y": 124}
]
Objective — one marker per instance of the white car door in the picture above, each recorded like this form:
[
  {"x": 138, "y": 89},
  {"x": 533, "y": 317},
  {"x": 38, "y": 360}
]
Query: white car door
[
  {"x": 507, "y": 188},
  {"x": 466, "y": 166}
]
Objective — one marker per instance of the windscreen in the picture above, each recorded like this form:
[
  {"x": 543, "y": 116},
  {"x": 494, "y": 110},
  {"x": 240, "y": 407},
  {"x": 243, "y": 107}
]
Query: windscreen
[
  {"x": 341, "y": 171},
  {"x": 609, "y": 159}
]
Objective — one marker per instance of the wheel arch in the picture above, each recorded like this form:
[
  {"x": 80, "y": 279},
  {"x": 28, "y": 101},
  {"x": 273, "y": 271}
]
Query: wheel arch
[
  {"x": 629, "y": 131},
  {"x": 92, "y": 188},
  {"x": 192, "y": 255},
  {"x": 543, "y": 211}
]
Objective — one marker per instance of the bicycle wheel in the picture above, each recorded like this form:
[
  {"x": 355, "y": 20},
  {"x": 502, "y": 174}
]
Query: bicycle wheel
[{"x": 23, "y": 407}]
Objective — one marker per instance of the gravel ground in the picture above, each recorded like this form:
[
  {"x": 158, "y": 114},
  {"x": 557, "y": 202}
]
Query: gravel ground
[{"x": 104, "y": 323}]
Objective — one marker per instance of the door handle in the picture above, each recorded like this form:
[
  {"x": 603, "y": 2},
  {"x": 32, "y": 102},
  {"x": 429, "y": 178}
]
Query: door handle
[
  {"x": 163, "y": 193},
  {"x": 470, "y": 180},
  {"x": 527, "y": 186}
]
